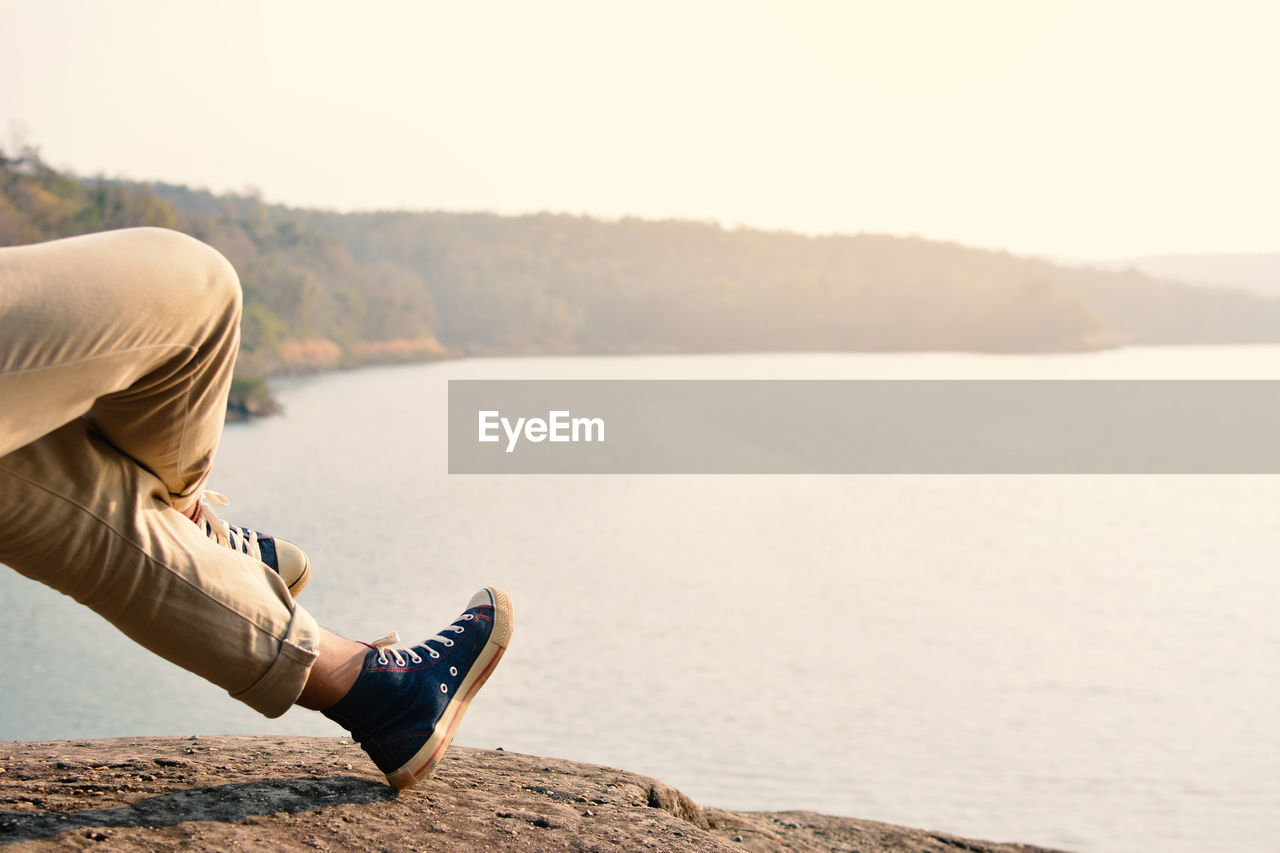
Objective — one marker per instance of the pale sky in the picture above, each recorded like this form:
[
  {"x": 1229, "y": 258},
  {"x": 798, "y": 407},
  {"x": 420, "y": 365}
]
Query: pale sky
[{"x": 1080, "y": 129}]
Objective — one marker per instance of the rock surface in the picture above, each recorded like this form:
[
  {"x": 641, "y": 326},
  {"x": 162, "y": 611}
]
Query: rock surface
[{"x": 267, "y": 793}]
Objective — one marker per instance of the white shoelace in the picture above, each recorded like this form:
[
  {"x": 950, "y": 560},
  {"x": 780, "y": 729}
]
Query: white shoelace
[
  {"x": 385, "y": 645},
  {"x": 238, "y": 538}
]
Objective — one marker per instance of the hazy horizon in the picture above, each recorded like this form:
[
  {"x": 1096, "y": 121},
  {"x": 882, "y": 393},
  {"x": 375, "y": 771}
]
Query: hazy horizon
[{"x": 1085, "y": 130}]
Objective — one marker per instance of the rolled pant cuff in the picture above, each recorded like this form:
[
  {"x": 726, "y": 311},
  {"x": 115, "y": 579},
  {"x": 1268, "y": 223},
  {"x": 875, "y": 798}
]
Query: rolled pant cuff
[{"x": 281, "y": 685}]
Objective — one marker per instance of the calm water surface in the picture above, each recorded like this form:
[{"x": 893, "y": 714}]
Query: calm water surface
[{"x": 1088, "y": 662}]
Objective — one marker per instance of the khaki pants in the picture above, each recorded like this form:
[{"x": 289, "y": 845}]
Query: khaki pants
[{"x": 116, "y": 351}]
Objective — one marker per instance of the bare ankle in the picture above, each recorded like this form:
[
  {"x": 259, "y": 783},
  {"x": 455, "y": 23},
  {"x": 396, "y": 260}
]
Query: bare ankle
[{"x": 336, "y": 669}]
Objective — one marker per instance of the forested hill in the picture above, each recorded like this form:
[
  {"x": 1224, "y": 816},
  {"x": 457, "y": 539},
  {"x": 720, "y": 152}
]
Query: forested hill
[
  {"x": 325, "y": 289},
  {"x": 554, "y": 283}
]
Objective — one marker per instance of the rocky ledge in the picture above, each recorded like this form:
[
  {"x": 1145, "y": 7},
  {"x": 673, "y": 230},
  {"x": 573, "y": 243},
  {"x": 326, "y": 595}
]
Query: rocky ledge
[{"x": 271, "y": 793}]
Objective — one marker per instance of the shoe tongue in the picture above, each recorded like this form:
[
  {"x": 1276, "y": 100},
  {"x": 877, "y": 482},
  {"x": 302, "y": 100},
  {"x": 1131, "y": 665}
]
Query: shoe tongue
[{"x": 267, "y": 547}]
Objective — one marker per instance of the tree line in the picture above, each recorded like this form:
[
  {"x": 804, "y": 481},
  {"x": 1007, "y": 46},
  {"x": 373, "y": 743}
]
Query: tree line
[{"x": 325, "y": 289}]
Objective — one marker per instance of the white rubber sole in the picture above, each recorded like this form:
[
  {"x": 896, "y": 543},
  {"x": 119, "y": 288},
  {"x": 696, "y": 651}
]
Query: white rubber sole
[{"x": 425, "y": 759}]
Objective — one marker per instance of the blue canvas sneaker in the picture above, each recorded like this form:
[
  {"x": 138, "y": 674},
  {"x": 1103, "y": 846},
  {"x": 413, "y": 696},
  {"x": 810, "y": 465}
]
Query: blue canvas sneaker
[
  {"x": 407, "y": 702},
  {"x": 286, "y": 559}
]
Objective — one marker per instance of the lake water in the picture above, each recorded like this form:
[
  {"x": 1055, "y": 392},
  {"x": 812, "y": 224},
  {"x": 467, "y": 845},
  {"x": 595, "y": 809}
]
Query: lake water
[{"x": 1091, "y": 662}]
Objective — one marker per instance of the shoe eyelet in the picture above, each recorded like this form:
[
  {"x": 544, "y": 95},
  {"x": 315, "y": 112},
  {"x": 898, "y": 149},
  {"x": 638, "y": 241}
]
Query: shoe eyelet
[
  {"x": 382, "y": 661},
  {"x": 468, "y": 616},
  {"x": 448, "y": 642},
  {"x": 435, "y": 655},
  {"x": 415, "y": 658},
  {"x": 444, "y": 688},
  {"x": 453, "y": 670}
]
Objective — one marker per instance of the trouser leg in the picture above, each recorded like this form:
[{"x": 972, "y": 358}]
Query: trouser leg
[{"x": 116, "y": 352}]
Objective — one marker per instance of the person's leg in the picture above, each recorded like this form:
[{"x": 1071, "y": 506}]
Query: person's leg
[
  {"x": 97, "y": 506},
  {"x": 116, "y": 353}
]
